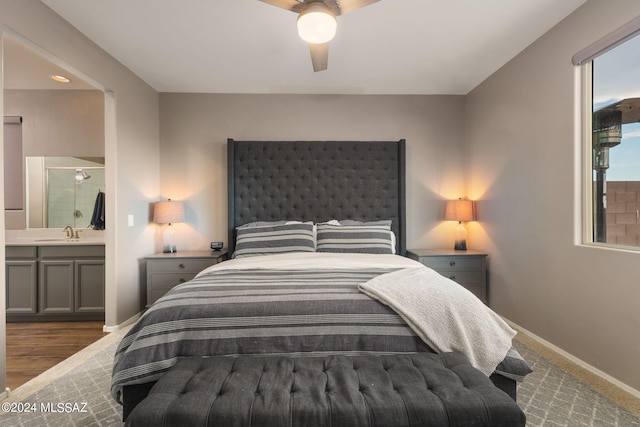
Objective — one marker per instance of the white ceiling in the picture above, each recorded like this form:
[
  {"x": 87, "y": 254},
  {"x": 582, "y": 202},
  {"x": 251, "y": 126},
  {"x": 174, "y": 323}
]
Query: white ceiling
[
  {"x": 247, "y": 46},
  {"x": 25, "y": 69}
]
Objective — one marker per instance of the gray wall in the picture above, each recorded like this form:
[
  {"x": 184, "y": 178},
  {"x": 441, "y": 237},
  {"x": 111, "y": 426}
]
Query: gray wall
[
  {"x": 63, "y": 123},
  {"x": 195, "y": 128},
  {"x": 524, "y": 167}
]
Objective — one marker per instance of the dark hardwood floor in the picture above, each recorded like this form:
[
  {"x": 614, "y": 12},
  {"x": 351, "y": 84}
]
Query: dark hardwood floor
[{"x": 32, "y": 348}]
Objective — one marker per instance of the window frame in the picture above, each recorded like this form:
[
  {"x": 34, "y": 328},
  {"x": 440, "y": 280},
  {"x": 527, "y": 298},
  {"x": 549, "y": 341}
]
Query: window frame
[
  {"x": 588, "y": 233},
  {"x": 586, "y": 140}
]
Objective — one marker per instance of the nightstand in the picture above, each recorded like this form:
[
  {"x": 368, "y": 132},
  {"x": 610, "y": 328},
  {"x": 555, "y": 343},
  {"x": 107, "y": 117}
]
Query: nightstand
[
  {"x": 467, "y": 268},
  {"x": 166, "y": 270}
]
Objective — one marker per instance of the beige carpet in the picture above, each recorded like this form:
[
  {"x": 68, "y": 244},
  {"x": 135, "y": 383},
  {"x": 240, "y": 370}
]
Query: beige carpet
[{"x": 616, "y": 394}]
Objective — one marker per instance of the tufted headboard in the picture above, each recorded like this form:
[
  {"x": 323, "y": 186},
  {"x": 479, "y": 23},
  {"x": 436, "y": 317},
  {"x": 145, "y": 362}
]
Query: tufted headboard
[{"x": 317, "y": 181}]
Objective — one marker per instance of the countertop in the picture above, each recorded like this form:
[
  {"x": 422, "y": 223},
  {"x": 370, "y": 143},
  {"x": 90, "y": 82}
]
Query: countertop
[{"x": 52, "y": 237}]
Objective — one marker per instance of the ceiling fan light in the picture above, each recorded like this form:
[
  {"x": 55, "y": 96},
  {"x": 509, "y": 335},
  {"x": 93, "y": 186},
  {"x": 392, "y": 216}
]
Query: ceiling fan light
[{"x": 316, "y": 24}]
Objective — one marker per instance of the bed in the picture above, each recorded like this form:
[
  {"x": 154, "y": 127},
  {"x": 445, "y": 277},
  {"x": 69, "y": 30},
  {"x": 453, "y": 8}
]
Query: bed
[{"x": 302, "y": 295}]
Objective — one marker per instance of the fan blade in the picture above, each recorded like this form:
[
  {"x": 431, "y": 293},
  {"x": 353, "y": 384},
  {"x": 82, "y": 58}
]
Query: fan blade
[
  {"x": 292, "y": 5},
  {"x": 331, "y": 4},
  {"x": 349, "y": 5},
  {"x": 319, "y": 56},
  {"x": 338, "y": 7}
]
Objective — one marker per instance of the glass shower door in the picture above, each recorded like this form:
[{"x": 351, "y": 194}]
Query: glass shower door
[{"x": 71, "y": 195}]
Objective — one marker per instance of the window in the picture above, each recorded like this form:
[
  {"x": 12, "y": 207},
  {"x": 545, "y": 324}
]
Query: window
[{"x": 613, "y": 142}]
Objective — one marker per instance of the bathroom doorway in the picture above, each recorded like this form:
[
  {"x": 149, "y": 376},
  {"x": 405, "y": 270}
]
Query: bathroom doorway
[{"x": 31, "y": 84}]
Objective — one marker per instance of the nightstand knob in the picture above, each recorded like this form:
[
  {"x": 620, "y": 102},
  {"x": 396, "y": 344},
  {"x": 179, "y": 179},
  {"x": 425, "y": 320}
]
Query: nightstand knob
[
  {"x": 452, "y": 263},
  {"x": 181, "y": 265},
  {"x": 182, "y": 280},
  {"x": 452, "y": 277}
]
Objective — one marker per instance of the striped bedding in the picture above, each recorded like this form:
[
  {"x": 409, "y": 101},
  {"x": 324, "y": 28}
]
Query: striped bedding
[{"x": 287, "y": 304}]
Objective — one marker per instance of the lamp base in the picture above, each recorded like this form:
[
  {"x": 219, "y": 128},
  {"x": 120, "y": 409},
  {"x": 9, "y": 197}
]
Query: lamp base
[
  {"x": 461, "y": 238},
  {"x": 169, "y": 245},
  {"x": 460, "y": 246}
]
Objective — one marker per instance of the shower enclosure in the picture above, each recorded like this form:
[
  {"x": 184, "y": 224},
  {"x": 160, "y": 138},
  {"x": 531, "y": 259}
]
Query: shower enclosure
[
  {"x": 69, "y": 187},
  {"x": 71, "y": 195}
]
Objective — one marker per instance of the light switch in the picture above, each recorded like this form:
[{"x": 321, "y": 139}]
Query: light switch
[{"x": 130, "y": 220}]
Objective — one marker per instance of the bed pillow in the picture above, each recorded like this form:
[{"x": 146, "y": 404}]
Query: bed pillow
[
  {"x": 361, "y": 238},
  {"x": 261, "y": 224},
  {"x": 386, "y": 222},
  {"x": 274, "y": 239},
  {"x": 267, "y": 223}
]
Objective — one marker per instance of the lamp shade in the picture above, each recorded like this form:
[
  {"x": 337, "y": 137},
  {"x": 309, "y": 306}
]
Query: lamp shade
[
  {"x": 460, "y": 210},
  {"x": 316, "y": 23},
  {"x": 168, "y": 212}
]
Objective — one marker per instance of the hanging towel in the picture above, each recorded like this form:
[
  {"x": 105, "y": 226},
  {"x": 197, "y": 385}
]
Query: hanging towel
[{"x": 97, "y": 219}]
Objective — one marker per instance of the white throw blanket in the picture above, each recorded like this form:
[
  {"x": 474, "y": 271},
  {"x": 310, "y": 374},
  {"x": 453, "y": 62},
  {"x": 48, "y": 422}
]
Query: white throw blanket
[{"x": 444, "y": 314}]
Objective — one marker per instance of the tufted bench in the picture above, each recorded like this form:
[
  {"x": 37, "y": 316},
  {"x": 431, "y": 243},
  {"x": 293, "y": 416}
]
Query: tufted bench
[{"x": 400, "y": 390}]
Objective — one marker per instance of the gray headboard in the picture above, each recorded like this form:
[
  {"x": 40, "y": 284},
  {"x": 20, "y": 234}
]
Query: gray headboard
[{"x": 317, "y": 181}]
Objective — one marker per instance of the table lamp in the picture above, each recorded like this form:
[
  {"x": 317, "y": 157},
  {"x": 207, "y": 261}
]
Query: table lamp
[
  {"x": 167, "y": 213},
  {"x": 460, "y": 210}
]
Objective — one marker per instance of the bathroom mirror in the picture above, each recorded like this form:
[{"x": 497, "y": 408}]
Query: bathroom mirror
[
  {"x": 59, "y": 120},
  {"x": 62, "y": 191}
]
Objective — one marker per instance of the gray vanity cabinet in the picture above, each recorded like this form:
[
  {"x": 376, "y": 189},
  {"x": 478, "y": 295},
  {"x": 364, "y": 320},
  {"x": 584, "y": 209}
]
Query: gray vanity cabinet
[
  {"x": 56, "y": 286},
  {"x": 71, "y": 279},
  {"x": 89, "y": 286},
  {"x": 21, "y": 280},
  {"x": 55, "y": 282}
]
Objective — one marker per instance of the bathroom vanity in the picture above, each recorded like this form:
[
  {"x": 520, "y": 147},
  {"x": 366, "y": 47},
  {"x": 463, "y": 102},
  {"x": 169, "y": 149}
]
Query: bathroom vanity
[{"x": 54, "y": 279}]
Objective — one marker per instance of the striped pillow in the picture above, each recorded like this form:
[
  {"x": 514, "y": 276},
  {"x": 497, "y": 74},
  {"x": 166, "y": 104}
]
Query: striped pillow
[
  {"x": 367, "y": 239},
  {"x": 274, "y": 239}
]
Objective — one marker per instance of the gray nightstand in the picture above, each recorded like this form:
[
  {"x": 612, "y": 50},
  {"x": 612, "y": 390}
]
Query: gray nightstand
[
  {"x": 468, "y": 268},
  {"x": 164, "y": 271}
]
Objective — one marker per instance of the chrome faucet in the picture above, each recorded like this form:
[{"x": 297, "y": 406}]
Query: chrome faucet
[{"x": 69, "y": 230}]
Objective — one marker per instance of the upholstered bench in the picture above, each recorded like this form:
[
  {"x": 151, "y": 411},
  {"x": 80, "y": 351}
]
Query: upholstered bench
[{"x": 388, "y": 391}]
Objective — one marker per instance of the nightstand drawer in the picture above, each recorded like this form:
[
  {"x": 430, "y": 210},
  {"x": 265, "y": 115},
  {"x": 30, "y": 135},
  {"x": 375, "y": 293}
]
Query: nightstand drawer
[
  {"x": 179, "y": 265},
  {"x": 164, "y": 271},
  {"x": 464, "y": 277},
  {"x": 155, "y": 294},
  {"x": 457, "y": 262},
  {"x": 468, "y": 269},
  {"x": 169, "y": 280}
]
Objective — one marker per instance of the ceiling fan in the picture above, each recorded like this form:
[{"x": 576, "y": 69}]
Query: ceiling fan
[{"x": 317, "y": 23}]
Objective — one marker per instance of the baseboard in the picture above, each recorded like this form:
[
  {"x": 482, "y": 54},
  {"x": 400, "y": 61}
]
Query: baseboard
[
  {"x": 579, "y": 362},
  {"x": 122, "y": 325}
]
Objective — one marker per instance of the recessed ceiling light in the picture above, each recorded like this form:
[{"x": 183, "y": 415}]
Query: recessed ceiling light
[{"x": 59, "y": 79}]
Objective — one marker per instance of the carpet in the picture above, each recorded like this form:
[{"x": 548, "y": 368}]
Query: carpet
[{"x": 76, "y": 393}]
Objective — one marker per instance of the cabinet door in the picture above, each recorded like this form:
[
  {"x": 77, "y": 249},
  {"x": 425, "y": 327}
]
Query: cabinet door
[
  {"x": 21, "y": 287},
  {"x": 56, "y": 286},
  {"x": 89, "y": 286}
]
